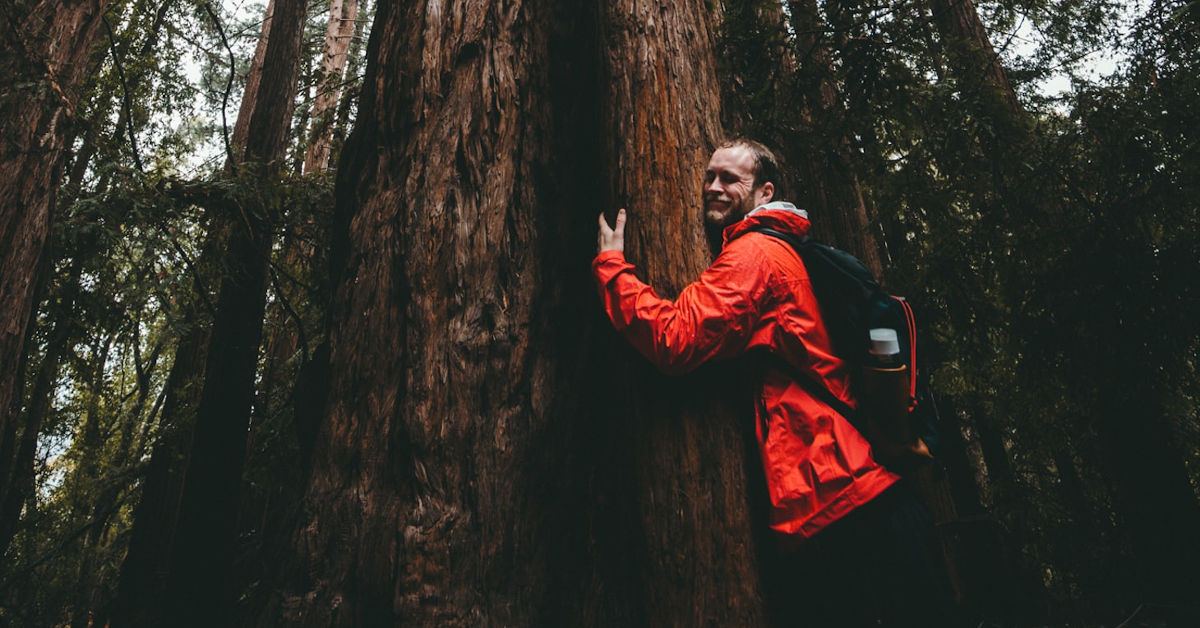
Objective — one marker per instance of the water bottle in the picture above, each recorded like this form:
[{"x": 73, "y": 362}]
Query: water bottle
[
  {"x": 886, "y": 399},
  {"x": 886, "y": 386}
]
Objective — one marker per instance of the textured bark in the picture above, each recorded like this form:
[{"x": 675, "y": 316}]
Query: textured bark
[
  {"x": 492, "y": 454},
  {"x": 241, "y": 128},
  {"x": 341, "y": 27},
  {"x": 199, "y": 585},
  {"x": 690, "y": 458},
  {"x": 43, "y": 56}
]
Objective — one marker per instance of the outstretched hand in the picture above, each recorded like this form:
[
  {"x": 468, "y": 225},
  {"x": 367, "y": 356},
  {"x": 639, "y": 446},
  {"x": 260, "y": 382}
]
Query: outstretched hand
[{"x": 611, "y": 239}]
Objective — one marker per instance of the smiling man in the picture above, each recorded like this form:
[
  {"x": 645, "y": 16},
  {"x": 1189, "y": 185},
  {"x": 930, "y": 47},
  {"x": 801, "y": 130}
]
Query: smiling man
[{"x": 844, "y": 525}]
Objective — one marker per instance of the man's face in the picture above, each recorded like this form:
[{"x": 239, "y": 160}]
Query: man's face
[{"x": 729, "y": 192}]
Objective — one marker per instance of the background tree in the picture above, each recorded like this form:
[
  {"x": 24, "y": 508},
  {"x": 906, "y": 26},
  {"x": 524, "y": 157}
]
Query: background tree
[{"x": 45, "y": 49}]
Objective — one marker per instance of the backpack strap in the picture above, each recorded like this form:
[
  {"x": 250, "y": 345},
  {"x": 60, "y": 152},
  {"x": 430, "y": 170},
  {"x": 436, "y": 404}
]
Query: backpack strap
[
  {"x": 852, "y": 270},
  {"x": 803, "y": 245},
  {"x": 820, "y": 391}
]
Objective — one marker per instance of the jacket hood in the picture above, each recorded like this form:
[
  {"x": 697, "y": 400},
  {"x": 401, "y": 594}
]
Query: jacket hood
[{"x": 780, "y": 216}]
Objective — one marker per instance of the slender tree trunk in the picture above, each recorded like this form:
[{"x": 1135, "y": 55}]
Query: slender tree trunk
[
  {"x": 199, "y": 582},
  {"x": 142, "y": 598},
  {"x": 43, "y": 56},
  {"x": 241, "y": 128},
  {"x": 90, "y": 440},
  {"x": 341, "y": 27},
  {"x": 19, "y": 484},
  {"x": 474, "y": 466},
  {"x": 828, "y": 175},
  {"x": 139, "y": 601},
  {"x": 969, "y": 50}
]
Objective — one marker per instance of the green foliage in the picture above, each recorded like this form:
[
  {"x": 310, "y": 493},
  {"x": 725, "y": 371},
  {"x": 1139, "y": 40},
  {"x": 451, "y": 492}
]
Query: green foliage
[{"x": 128, "y": 277}]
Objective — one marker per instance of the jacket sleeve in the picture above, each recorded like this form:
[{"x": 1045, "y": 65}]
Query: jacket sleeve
[{"x": 713, "y": 317}]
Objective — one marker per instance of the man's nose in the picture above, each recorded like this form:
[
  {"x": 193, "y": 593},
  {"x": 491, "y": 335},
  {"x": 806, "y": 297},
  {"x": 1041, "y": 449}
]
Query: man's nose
[{"x": 713, "y": 186}]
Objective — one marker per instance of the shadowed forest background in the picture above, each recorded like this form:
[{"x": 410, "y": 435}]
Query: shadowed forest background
[{"x": 298, "y": 326}]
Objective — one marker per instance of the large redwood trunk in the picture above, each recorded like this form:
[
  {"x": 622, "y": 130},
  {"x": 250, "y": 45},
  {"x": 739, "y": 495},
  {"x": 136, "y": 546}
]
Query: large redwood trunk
[
  {"x": 43, "y": 57},
  {"x": 685, "y": 439},
  {"x": 492, "y": 454}
]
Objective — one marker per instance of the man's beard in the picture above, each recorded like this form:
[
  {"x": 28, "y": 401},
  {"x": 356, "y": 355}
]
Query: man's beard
[
  {"x": 733, "y": 213},
  {"x": 714, "y": 225}
]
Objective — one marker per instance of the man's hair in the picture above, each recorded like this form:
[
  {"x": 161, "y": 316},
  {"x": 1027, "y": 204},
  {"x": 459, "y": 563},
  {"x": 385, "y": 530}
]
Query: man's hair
[{"x": 766, "y": 165}]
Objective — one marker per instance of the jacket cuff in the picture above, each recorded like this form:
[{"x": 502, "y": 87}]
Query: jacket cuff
[{"x": 609, "y": 264}]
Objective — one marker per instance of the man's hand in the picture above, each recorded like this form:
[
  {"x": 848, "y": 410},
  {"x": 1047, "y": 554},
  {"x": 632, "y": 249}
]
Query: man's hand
[{"x": 611, "y": 239}]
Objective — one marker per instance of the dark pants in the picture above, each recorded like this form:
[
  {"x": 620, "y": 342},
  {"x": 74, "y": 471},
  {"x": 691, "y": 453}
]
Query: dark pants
[{"x": 881, "y": 565}]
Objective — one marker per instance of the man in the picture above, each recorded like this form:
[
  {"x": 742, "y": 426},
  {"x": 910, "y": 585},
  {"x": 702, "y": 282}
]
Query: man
[{"x": 828, "y": 495}]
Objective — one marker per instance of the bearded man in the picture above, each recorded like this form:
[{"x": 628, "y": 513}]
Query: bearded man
[{"x": 844, "y": 523}]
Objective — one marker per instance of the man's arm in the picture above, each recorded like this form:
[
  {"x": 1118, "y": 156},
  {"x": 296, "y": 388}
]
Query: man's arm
[{"x": 712, "y": 318}]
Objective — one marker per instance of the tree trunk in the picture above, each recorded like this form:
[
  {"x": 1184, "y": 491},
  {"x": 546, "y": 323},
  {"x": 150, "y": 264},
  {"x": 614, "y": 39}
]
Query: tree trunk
[
  {"x": 241, "y": 128},
  {"x": 198, "y": 586},
  {"x": 43, "y": 58},
  {"x": 20, "y": 480},
  {"x": 969, "y": 50},
  {"x": 822, "y": 152},
  {"x": 139, "y": 601},
  {"x": 690, "y": 437},
  {"x": 472, "y": 467},
  {"x": 342, "y": 15},
  {"x": 89, "y": 439}
]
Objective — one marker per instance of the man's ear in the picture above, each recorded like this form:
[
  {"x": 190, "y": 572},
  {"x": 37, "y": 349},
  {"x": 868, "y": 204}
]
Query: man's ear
[{"x": 768, "y": 191}]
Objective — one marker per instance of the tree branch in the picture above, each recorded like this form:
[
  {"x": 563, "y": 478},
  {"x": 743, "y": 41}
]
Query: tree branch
[
  {"x": 112, "y": 46},
  {"x": 228, "y": 84},
  {"x": 291, "y": 312}
]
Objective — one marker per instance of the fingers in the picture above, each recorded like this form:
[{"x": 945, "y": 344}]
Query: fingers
[{"x": 610, "y": 239}]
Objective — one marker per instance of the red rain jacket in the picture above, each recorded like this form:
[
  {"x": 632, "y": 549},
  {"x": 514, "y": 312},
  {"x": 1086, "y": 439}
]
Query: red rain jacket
[{"x": 757, "y": 295}]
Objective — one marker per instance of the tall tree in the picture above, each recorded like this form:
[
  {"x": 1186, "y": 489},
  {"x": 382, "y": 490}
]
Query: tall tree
[
  {"x": 474, "y": 465},
  {"x": 44, "y": 56},
  {"x": 338, "y": 33},
  {"x": 969, "y": 50},
  {"x": 821, "y": 142},
  {"x": 198, "y": 585}
]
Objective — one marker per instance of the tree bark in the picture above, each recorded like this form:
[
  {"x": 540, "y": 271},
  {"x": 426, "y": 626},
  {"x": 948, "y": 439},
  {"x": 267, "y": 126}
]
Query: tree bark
[
  {"x": 43, "y": 58},
  {"x": 342, "y": 15},
  {"x": 473, "y": 467},
  {"x": 701, "y": 563},
  {"x": 241, "y": 128}
]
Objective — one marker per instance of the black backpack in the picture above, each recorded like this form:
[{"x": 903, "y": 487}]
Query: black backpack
[{"x": 852, "y": 303}]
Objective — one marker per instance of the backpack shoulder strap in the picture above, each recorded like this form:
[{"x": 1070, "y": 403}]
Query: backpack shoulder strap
[
  {"x": 804, "y": 247},
  {"x": 820, "y": 391}
]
